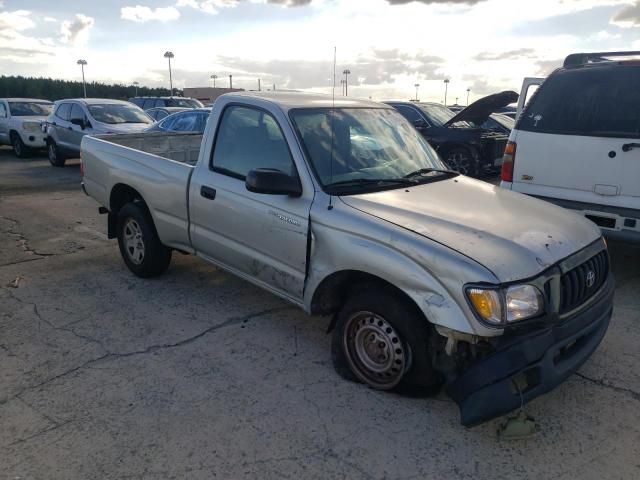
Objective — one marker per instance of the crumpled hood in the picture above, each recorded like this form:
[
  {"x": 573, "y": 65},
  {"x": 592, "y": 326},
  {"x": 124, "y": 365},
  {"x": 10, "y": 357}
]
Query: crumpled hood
[
  {"x": 514, "y": 236},
  {"x": 480, "y": 110}
]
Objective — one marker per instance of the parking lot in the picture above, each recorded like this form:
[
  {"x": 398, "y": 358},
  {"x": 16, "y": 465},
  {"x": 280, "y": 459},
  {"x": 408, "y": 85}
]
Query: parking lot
[{"x": 197, "y": 374}]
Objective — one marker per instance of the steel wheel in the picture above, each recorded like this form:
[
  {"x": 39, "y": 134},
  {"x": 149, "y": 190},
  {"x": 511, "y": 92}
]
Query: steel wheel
[
  {"x": 374, "y": 350},
  {"x": 133, "y": 241},
  {"x": 460, "y": 160},
  {"x": 17, "y": 146}
]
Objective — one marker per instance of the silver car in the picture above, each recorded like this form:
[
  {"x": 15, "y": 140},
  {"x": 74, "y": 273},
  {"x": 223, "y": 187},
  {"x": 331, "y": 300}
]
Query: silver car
[{"x": 73, "y": 119}]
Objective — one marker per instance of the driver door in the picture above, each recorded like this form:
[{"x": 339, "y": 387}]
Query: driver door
[{"x": 259, "y": 236}]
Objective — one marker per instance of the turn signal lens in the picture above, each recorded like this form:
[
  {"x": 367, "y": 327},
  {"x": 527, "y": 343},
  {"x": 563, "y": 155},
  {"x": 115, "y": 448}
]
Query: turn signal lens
[{"x": 487, "y": 304}]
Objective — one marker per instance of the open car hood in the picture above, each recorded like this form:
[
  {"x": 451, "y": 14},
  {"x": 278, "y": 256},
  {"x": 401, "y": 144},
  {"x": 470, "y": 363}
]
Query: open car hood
[{"x": 479, "y": 111}]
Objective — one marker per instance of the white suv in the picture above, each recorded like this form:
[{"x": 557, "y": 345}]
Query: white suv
[
  {"x": 577, "y": 142},
  {"x": 21, "y": 124}
]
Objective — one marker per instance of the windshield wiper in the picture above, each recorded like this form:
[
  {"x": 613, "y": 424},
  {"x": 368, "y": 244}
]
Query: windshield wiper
[
  {"x": 424, "y": 171},
  {"x": 370, "y": 181}
]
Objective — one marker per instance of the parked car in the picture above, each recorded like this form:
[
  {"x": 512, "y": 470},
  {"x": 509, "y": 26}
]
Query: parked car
[
  {"x": 159, "y": 113},
  {"x": 21, "y": 124},
  {"x": 344, "y": 209},
  {"x": 193, "y": 120},
  {"x": 464, "y": 147},
  {"x": 499, "y": 122},
  {"x": 577, "y": 142},
  {"x": 71, "y": 120},
  {"x": 153, "y": 102}
]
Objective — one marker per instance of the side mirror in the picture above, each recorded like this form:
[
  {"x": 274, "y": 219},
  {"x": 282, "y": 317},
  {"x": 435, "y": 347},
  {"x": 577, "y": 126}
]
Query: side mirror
[
  {"x": 420, "y": 124},
  {"x": 79, "y": 122},
  {"x": 272, "y": 182}
]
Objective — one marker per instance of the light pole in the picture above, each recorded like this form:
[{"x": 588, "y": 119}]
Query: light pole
[
  {"x": 259, "y": 87},
  {"x": 169, "y": 55},
  {"x": 82, "y": 63},
  {"x": 342, "y": 87},
  {"x": 346, "y": 72},
  {"x": 468, "y": 90},
  {"x": 213, "y": 77},
  {"x": 230, "y": 81},
  {"x": 456, "y": 100},
  {"x": 446, "y": 88},
  {"x": 135, "y": 84},
  {"x": 417, "y": 85}
]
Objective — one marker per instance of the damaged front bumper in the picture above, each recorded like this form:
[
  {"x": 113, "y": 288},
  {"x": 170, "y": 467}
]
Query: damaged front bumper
[{"x": 525, "y": 366}]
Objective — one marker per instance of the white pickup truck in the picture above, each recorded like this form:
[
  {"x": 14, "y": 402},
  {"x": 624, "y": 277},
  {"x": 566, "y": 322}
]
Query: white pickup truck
[{"x": 344, "y": 209}]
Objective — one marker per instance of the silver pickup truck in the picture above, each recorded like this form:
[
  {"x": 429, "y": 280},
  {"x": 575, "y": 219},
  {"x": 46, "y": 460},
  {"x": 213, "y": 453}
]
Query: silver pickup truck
[{"x": 343, "y": 209}]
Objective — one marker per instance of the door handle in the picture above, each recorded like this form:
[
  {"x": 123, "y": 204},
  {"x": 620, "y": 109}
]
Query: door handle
[
  {"x": 629, "y": 146},
  {"x": 208, "y": 192}
]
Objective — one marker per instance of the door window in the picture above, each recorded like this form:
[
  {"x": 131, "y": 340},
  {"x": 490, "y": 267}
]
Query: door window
[
  {"x": 595, "y": 101},
  {"x": 248, "y": 139},
  {"x": 63, "y": 111},
  {"x": 3, "y": 111},
  {"x": 185, "y": 122},
  {"x": 159, "y": 103},
  {"x": 409, "y": 113}
]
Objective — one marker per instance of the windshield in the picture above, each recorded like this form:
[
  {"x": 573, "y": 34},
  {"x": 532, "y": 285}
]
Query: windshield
[
  {"x": 440, "y": 115},
  {"x": 368, "y": 144},
  {"x": 29, "y": 109},
  {"x": 184, "y": 102},
  {"x": 116, "y": 113},
  {"x": 505, "y": 121}
]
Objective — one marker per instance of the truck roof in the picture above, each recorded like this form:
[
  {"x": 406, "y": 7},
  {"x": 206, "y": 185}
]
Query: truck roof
[
  {"x": 39, "y": 100},
  {"x": 290, "y": 100}
]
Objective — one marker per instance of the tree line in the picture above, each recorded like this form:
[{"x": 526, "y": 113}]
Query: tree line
[{"x": 53, "y": 89}]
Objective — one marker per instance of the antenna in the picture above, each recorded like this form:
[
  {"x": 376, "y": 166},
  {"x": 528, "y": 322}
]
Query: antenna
[{"x": 333, "y": 107}]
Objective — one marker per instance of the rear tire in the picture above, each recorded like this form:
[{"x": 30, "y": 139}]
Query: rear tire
[
  {"x": 139, "y": 243},
  {"x": 19, "y": 148},
  {"x": 55, "y": 156},
  {"x": 381, "y": 340}
]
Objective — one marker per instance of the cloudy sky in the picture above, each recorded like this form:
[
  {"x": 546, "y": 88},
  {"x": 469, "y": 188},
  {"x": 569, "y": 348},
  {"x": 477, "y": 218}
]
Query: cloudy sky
[{"x": 389, "y": 45}]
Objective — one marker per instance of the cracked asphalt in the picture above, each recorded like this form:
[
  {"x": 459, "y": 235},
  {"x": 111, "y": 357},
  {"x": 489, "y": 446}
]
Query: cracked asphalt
[{"x": 198, "y": 374}]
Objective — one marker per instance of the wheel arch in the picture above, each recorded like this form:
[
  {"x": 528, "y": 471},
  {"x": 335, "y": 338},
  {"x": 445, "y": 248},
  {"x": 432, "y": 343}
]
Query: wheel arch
[{"x": 120, "y": 195}]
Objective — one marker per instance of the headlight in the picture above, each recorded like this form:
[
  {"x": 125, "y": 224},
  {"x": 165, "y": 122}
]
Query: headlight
[
  {"x": 31, "y": 126},
  {"x": 503, "y": 306}
]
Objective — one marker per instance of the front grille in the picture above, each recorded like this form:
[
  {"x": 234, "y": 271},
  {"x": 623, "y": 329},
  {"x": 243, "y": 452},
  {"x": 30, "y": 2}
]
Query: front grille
[{"x": 579, "y": 285}]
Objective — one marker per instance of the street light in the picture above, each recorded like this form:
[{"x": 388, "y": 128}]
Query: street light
[
  {"x": 214, "y": 80},
  {"x": 169, "y": 55},
  {"x": 82, "y": 63},
  {"x": 446, "y": 87},
  {"x": 456, "y": 100},
  {"x": 346, "y": 72},
  {"x": 230, "y": 81},
  {"x": 135, "y": 84},
  {"x": 417, "y": 85},
  {"x": 342, "y": 87},
  {"x": 468, "y": 90},
  {"x": 259, "y": 87}
]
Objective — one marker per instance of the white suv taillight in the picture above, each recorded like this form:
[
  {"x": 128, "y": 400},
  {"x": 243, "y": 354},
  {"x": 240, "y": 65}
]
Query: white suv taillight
[{"x": 508, "y": 162}]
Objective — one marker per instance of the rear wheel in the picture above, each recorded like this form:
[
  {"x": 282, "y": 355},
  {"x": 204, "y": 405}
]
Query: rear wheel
[
  {"x": 461, "y": 160},
  {"x": 19, "y": 148},
  {"x": 381, "y": 340},
  {"x": 139, "y": 244},
  {"x": 55, "y": 157}
]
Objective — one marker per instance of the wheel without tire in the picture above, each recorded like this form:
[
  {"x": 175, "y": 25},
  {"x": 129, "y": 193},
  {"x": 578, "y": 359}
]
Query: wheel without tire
[
  {"x": 461, "y": 160},
  {"x": 55, "y": 157},
  {"x": 381, "y": 340},
  {"x": 139, "y": 244},
  {"x": 19, "y": 148}
]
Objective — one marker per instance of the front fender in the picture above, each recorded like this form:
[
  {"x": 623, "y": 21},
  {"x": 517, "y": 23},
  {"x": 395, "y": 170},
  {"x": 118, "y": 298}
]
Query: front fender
[{"x": 395, "y": 260}]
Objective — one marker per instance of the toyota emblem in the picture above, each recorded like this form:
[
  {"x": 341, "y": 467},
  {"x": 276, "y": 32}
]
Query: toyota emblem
[{"x": 591, "y": 279}]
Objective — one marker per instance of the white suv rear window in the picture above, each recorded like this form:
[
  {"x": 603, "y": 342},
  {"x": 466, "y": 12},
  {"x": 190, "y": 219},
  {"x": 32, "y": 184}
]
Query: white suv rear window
[{"x": 600, "y": 101}]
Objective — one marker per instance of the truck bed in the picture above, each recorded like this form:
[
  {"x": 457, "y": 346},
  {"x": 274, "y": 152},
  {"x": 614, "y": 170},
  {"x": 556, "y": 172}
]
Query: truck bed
[{"x": 157, "y": 166}]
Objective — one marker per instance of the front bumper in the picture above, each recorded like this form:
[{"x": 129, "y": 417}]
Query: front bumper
[
  {"x": 525, "y": 366},
  {"x": 34, "y": 139}
]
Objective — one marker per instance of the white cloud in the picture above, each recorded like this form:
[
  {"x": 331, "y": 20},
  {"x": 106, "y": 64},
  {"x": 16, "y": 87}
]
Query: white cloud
[
  {"x": 17, "y": 21},
  {"x": 142, "y": 14},
  {"x": 50, "y": 19},
  {"x": 76, "y": 31}
]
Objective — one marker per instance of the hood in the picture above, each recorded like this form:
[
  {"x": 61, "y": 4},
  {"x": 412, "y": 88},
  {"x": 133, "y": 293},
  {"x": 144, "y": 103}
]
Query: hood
[
  {"x": 479, "y": 111},
  {"x": 123, "y": 127},
  {"x": 514, "y": 236},
  {"x": 31, "y": 118}
]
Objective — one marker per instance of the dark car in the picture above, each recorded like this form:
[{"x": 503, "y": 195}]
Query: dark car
[
  {"x": 193, "y": 120},
  {"x": 146, "y": 103},
  {"x": 463, "y": 144},
  {"x": 158, "y": 113}
]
